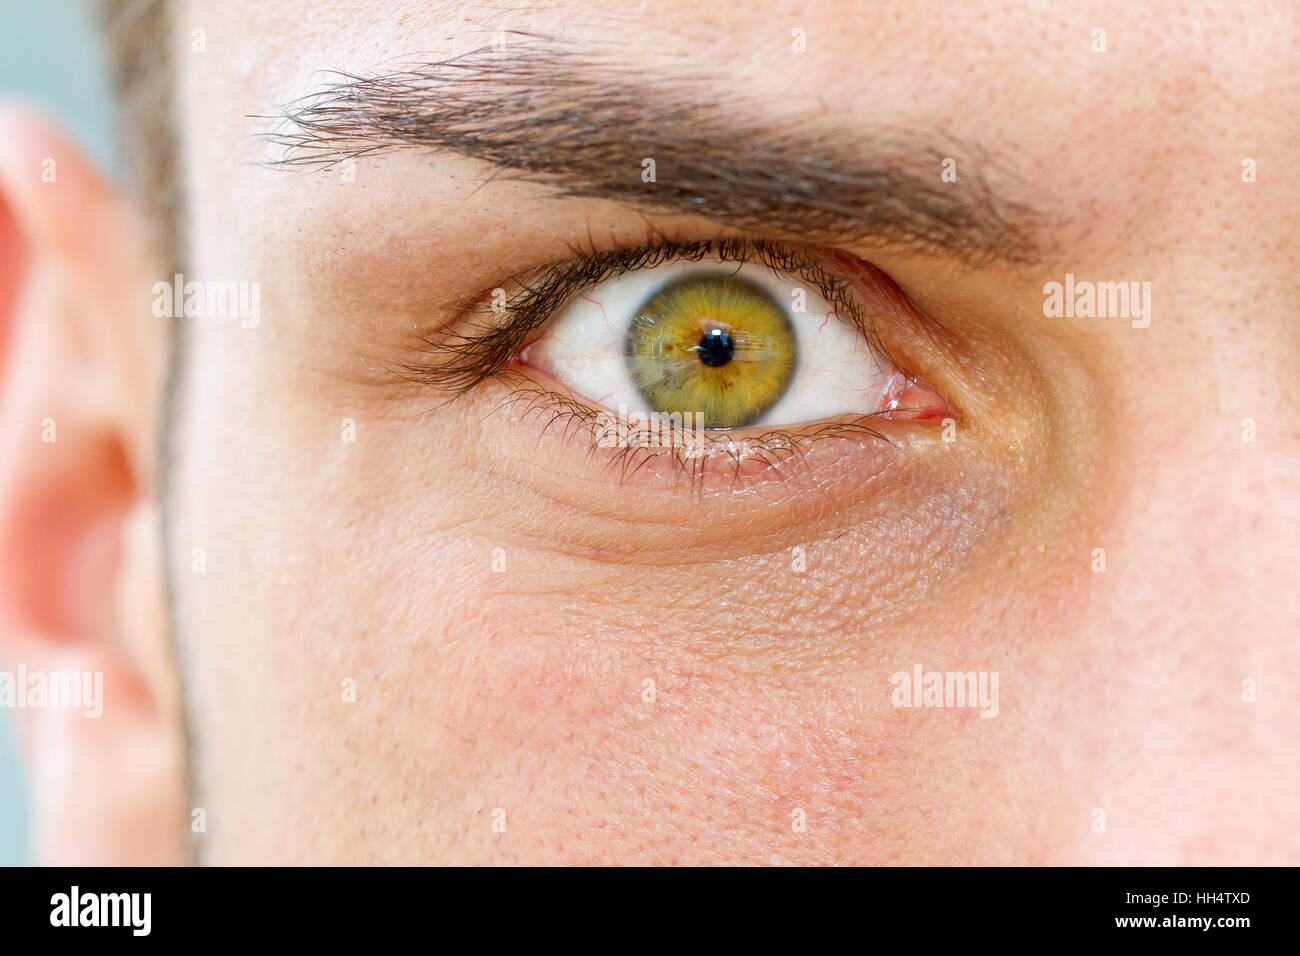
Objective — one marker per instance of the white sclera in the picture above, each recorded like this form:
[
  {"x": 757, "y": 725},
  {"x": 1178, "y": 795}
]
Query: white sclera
[{"x": 837, "y": 371}]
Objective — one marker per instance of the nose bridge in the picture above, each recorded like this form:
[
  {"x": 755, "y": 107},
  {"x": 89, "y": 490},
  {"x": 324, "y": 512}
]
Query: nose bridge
[
  {"x": 1229, "y": 259},
  {"x": 1210, "y": 540},
  {"x": 1197, "y": 622},
  {"x": 1240, "y": 351},
  {"x": 1198, "y": 167},
  {"x": 1243, "y": 521}
]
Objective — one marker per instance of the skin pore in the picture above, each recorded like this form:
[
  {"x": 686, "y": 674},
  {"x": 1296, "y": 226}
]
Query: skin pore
[{"x": 416, "y": 626}]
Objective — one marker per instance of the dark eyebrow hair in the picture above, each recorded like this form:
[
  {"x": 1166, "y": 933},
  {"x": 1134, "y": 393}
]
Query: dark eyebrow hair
[{"x": 584, "y": 127}]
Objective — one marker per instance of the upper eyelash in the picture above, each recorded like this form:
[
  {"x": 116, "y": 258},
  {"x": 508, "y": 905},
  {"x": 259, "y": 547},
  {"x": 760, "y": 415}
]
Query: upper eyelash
[{"x": 466, "y": 357}]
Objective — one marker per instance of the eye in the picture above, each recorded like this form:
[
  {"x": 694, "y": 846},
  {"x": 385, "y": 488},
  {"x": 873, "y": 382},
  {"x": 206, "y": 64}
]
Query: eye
[
  {"x": 685, "y": 343},
  {"x": 731, "y": 344}
]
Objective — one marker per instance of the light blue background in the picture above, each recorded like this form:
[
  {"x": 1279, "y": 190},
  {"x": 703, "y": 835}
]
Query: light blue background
[{"x": 49, "y": 54}]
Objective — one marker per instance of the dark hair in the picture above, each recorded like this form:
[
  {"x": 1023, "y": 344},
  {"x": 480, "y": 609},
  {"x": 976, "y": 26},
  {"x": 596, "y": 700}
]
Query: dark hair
[
  {"x": 138, "y": 43},
  {"x": 137, "y": 35}
]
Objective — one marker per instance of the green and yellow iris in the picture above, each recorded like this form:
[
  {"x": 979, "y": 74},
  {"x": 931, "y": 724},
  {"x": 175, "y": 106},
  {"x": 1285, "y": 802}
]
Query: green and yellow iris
[{"x": 714, "y": 344}]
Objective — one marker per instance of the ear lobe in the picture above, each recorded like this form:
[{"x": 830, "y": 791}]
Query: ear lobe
[{"x": 75, "y": 435}]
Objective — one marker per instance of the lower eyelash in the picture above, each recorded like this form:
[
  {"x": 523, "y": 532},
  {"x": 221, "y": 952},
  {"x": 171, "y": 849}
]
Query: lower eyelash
[{"x": 768, "y": 451}]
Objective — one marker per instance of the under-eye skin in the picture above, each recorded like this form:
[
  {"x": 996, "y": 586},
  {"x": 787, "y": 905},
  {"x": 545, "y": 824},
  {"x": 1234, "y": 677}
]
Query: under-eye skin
[{"x": 718, "y": 354}]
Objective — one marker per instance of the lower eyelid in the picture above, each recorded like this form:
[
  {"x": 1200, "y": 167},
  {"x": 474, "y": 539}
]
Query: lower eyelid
[
  {"x": 904, "y": 499},
  {"x": 668, "y": 456}
]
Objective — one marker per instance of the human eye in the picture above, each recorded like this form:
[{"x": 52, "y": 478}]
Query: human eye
[{"x": 705, "y": 344}]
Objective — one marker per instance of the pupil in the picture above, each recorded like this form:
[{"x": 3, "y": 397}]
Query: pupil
[{"x": 716, "y": 348}]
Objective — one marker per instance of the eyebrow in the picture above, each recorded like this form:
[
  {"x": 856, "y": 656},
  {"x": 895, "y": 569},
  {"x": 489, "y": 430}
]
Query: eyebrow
[{"x": 668, "y": 143}]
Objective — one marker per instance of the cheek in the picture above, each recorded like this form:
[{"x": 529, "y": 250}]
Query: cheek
[
  {"x": 601, "y": 749},
  {"x": 605, "y": 738}
]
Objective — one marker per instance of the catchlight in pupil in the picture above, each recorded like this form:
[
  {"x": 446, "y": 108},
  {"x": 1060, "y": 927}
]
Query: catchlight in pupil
[
  {"x": 716, "y": 347},
  {"x": 714, "y": 344}
]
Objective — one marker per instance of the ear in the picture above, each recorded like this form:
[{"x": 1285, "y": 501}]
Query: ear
[{"x": 85, "y": 666}]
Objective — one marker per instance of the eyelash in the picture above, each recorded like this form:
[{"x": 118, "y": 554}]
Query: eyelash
[
  {"x": 475, "y": 351},
  {"x": 466, "y": 359}
]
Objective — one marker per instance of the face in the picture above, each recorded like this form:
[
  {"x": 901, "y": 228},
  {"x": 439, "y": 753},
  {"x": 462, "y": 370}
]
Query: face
[{"x": 982, "y": 554}]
